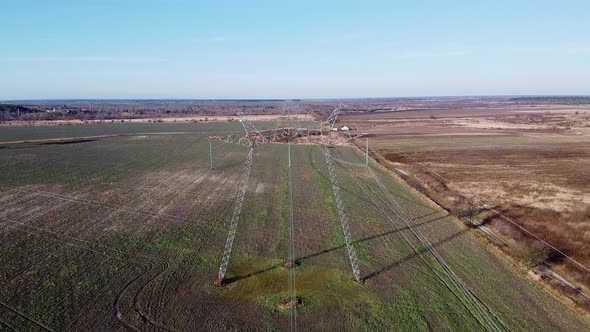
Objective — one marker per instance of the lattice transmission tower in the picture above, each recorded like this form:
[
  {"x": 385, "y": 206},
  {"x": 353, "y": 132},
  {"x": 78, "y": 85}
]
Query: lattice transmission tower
[
  {"x": 327, "y": 126},
  {"x": 246, "y": 140}
]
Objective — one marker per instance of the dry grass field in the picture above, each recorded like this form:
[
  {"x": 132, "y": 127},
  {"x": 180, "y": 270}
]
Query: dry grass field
[
  {"x": 531, "y": 165},
  {"x": 127, "y": 232}
]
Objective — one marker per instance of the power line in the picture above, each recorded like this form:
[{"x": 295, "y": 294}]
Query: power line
[
  {"x": 291, "y": 265},
  {"x": 483, "y": 314},
  {"x": 235, "y": 217},
  {"x": 328, "y": 124},
  {"x": 479, "y": 311},
  {"x": 504, "y": 216}
]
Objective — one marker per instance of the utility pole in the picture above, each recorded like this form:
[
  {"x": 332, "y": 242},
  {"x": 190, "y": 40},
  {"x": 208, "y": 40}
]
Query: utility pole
[
  {"x": 289, "y": 152},
  {"x": 211, "y": 152},
  {"x": 367, "y": 151}
]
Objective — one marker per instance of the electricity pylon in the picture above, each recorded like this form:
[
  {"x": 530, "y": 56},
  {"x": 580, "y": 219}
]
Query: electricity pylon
[{"x": 328, "y": 125}]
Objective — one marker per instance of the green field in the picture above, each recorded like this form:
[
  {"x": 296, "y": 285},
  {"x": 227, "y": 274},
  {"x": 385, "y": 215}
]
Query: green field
[
  {"x": 127, "y": 232},
  {"x": 16, "y": 133}
]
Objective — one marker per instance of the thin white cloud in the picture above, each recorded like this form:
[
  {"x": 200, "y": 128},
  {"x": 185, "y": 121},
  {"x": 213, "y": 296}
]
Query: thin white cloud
[
  {"x": 218, "y": 38},
  {"x": 537, "y": 49},
  {"x": 503, "y": 49},
  {"x": 567, "y": 48},
  {"x": 338, "y": 38},
  {"x": 84, "y": 59},
  {"x": 432, "y": 54}
]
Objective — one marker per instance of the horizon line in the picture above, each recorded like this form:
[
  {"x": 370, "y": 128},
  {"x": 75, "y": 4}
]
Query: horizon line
[{"x": 296, "y": 99}]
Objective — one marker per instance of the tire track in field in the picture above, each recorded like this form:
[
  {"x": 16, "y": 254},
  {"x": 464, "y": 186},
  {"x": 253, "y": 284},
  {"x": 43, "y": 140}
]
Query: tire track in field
[
  {"x": 27, "y": 318},
  {"x": 38, "y": 230},
  {"x": 27, "y": 221},
  {"x": 99, "y": 203},
  {"x": 8, "y": 326},
  {"x": 72, "y": 199},
  {"x": 218, "y": 188},
  {"x": 164, "y": 264},
  {"x": 151, "y": 190},
  {"x": 91, "y": 244},
  {"x": 132, "y": 212},
  {"x": 86, "y": 245},
  {"x": 150, "y": 267}
]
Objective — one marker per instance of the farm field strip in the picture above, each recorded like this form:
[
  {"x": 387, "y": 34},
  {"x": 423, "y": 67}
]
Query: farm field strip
[
  {"x": 20, "y": 290},
  {"x": 418, "y": 251},
  {"x": 372, "y": 236},
  {"x": 59, "y": 164},
  {"x": 95, "y": 163},
  {"x": 27, "y": 319},
  {"x": 197, "y": 251},
  {"x": 93, "y": 202},
  {"x": 310, "y": 195},
  {"x": 369, "y": 194},
  {"x": 164, "y": 266},
  {"x": 474, "y": 305},
  {"x": 524, "y": 143},
  {"x": 382, "y": 243},
  {"x": 293, "y": 301},
  {"x": 38, "y": 232},
  {"x": 146, "y": 244},
  {"x": 528, "y": 296},
  {"x": 409, "y": 225},
  {"x": 145, "y": 285},
  {"x": 108, "y": 207},
  {"x": 342, "y": 214},
  {"x": 8, "y": 134}
]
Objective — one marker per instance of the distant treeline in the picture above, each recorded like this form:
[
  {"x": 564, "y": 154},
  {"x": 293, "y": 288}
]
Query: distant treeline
[
  {"x": 562, "y": 100},
  {"x": 135, "y": 109},
  {"x": 10, "y": 111}
]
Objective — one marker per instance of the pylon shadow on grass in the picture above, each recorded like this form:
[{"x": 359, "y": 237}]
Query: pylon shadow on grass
[
  {"x": 414, "y": 254},
  {"x": 245, "y": 276},
  {"x": 301, "y": 259}
]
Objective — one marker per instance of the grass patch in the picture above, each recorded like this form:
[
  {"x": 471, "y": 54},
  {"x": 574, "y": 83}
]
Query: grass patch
[
  {"x": 264, "y": 281},
  {"x": 405, "y": 315}
]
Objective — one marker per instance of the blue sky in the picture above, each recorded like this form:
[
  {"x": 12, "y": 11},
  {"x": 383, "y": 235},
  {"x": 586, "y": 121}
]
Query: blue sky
[{"x": 296, "y": 49}]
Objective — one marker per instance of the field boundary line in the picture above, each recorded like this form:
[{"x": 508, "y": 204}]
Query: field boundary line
[
  {"x": 503, "y": 216},
  {"x": 489, "y": 324},
  {"x": 418, "y": 252},
  {"x": 482, "y": 315}
]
